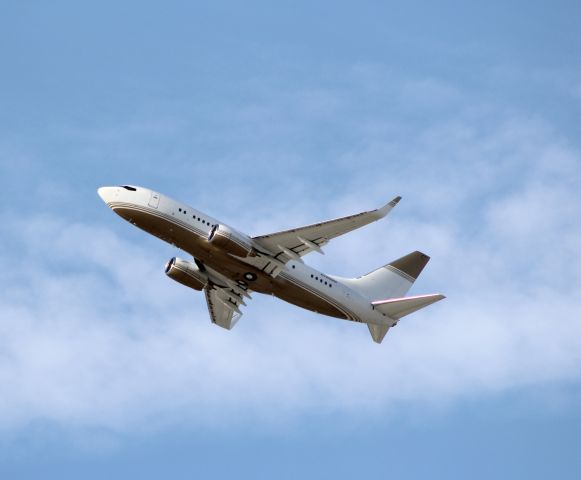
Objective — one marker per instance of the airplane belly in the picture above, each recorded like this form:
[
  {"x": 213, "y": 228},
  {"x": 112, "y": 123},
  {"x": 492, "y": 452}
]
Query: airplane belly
[
  {"x": 161, "y": 225},
  {"x": 294, "y": 292},
  {"x": 194, "y": 241},
  {"x": 289, "y": 292}
]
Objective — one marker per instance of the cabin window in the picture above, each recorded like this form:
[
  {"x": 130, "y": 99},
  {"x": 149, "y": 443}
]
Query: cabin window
[{"x": 180, "y": 209}]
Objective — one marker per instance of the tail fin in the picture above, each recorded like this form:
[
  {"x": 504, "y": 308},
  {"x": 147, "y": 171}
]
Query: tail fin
[
  {"x": 391, "y": 280},
  {"x": 377, "y": 331}
]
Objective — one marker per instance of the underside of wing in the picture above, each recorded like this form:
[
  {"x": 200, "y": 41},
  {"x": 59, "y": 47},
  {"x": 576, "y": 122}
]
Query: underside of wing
[
  {"x": 294, "y": 243},
  {"x": 223, "y": 309},
  {"x": 224, "y": 299}
]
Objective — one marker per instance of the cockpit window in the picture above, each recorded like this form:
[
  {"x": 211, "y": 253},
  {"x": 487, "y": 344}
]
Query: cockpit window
[{"x": 127, "y": 187}]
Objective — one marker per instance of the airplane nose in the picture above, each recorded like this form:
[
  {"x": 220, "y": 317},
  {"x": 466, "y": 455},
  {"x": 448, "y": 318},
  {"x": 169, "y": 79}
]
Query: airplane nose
[{"x": 106, "y": 193}]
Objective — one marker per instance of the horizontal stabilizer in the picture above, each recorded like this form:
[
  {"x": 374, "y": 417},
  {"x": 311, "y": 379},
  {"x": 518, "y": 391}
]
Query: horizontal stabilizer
[{"x": 400, "y": 307}]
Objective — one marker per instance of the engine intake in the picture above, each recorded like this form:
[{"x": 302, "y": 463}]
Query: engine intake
[
  {"x": 186, "y": 273},
  {"x": 230, "y": 241}
]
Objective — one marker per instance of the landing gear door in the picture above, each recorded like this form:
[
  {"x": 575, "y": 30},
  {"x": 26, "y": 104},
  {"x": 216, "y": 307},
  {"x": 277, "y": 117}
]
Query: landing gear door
[{"x": 154, "y": 200}]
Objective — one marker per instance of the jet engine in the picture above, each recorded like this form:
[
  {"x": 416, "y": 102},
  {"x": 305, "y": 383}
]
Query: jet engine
[
  {"x": 230, "y": 241},
  {"x": 186, "y": 273}
]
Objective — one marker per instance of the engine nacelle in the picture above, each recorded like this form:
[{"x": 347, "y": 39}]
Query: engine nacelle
[
  {"x": 230, "y": 241},
  {"x": 186, "y": 273}
]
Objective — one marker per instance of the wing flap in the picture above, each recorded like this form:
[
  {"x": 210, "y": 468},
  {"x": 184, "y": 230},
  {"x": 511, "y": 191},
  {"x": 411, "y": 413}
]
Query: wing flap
[
  {"x": 224, "y": 313},
  {"x": 224, "y": 299}
]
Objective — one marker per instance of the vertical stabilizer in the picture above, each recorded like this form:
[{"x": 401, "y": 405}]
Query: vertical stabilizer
[
  {"x": 377, "y": 331},
  {"x": 391, "y": 280}
]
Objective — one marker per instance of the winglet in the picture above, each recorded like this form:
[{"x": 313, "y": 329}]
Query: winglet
[
  {"x": 395, "y": 201},
  {"x": 383, "y": 211}
]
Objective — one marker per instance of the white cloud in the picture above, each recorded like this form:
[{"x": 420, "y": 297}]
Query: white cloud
[{"x": 93, "y": 334}]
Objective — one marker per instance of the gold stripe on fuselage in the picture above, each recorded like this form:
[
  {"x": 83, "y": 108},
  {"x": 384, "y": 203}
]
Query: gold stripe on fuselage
[{"x": 195, "y": 242}]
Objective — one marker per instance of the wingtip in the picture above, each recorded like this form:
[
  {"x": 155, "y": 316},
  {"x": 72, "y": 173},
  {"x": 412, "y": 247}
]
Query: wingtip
[
  {"x": 395, "y": 201},
  {"x": 383, "y": 211}
]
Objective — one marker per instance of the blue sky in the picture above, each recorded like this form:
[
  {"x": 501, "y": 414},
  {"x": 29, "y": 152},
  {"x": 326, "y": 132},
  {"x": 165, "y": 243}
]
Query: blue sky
[{"x": 270, "y": 116}]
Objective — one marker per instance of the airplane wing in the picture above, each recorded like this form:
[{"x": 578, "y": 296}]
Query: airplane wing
[
  {"x": 224, "y": 299},
  {"x": 294, "y": 243},
  {"x": 224, "y": 312}
]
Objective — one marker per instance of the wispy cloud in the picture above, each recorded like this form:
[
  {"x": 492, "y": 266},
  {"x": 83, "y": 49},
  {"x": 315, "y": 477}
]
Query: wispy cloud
[{"x": 92, "y": 334}]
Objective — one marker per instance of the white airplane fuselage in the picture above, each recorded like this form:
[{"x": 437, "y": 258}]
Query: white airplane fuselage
[{"x": 189, "y": 229}]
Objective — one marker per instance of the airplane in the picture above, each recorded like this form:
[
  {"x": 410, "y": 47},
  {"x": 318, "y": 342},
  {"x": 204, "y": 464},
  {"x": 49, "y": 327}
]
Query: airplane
[{"x": 228, "y": 265}]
